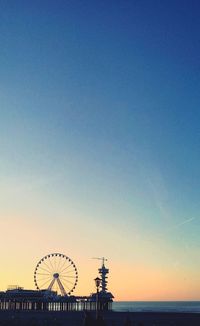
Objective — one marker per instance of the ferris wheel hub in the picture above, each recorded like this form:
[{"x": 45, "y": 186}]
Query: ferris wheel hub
[{"x": 56, "y": 275}]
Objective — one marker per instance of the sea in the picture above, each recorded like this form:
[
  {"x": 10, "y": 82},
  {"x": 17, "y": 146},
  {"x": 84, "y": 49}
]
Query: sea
[{"x": 157, "y": 306}]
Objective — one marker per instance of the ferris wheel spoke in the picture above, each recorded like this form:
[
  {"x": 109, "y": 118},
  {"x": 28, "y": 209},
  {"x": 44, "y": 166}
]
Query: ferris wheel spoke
[
  {"x": 44, "y": 283},
  {"x": 48, "y": 262},
  {"x": 41, "y": 281},
  {"x": 65, "y": 268},
  {"x": 45, "y": 278},
  {"x": 51, "y": 263},
  {"x": 48, "y": 266},
  {"x": 63, "y": 265},
  {"x": 68, "y": 282},
  {"x": 42, "y": 274},
  {"x": 57, "y": 259},
  {"x": 54, "y": 262},
  {"x": 60, "y": 260},
  {"x": 44, "y": 269},
  {"x": 68, "y": 272},
  {"x": 68, "y": 276}
]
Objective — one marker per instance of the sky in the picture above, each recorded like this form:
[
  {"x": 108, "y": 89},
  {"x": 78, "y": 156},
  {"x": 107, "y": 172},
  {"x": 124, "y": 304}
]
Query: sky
[{"x": 99, "y": 143}]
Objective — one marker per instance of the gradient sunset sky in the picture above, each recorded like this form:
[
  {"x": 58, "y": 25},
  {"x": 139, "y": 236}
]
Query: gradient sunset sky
[{"x": 100, "y": 142}]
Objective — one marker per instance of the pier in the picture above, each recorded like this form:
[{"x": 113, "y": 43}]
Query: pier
[
  {"x": 35, "y": 300},
  {"x": 55, "y": 278}
]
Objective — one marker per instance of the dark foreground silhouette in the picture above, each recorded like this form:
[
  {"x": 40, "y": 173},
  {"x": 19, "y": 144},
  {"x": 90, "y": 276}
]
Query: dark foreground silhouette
[
  {"x": 90, "y": 320},
  {"x": 109, "y": 318}
]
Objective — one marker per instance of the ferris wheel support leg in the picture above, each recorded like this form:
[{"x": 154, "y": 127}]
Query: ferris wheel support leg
[
  {"x": 51, "y": 285},
  {"x": 62, "y": 290}
]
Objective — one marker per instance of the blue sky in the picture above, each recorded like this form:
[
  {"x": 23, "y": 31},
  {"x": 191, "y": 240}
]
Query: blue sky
[{"x": 99, "y": 120}]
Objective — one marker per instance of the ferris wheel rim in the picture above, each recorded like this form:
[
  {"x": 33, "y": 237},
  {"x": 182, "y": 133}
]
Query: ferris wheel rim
[{"x": 67, "y": 280}]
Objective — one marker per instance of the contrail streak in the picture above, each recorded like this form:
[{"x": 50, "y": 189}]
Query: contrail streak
[{"x": 185, "y": 222}]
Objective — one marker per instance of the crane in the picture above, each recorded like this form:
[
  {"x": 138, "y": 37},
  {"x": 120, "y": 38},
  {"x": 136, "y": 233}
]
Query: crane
[{"x": 103, "y": 259}]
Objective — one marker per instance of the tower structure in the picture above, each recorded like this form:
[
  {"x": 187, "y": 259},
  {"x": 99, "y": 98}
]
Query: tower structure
[
  {"x": 103, "y": 271},
  {"x": 104, "y": 297}
]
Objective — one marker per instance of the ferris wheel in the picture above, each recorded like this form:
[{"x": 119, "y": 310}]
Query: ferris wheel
[{"x": 56, "y": 272}]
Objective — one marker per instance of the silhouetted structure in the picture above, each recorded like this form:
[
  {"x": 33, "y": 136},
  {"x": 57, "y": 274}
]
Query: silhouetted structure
[
  {"x": 16, "y": 298},
  {"x": 20, "y": 299},
  {"x": 103, "y": 297}
]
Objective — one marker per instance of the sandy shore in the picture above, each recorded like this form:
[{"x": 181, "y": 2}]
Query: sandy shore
[{"x": 12, "y": 318}]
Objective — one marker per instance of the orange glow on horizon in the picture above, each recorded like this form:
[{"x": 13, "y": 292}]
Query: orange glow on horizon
[{"x": 27, "y": 242}]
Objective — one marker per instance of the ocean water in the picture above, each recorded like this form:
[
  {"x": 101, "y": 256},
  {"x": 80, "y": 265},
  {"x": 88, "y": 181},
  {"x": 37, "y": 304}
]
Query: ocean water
[{"x": 157, "y": 306}]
